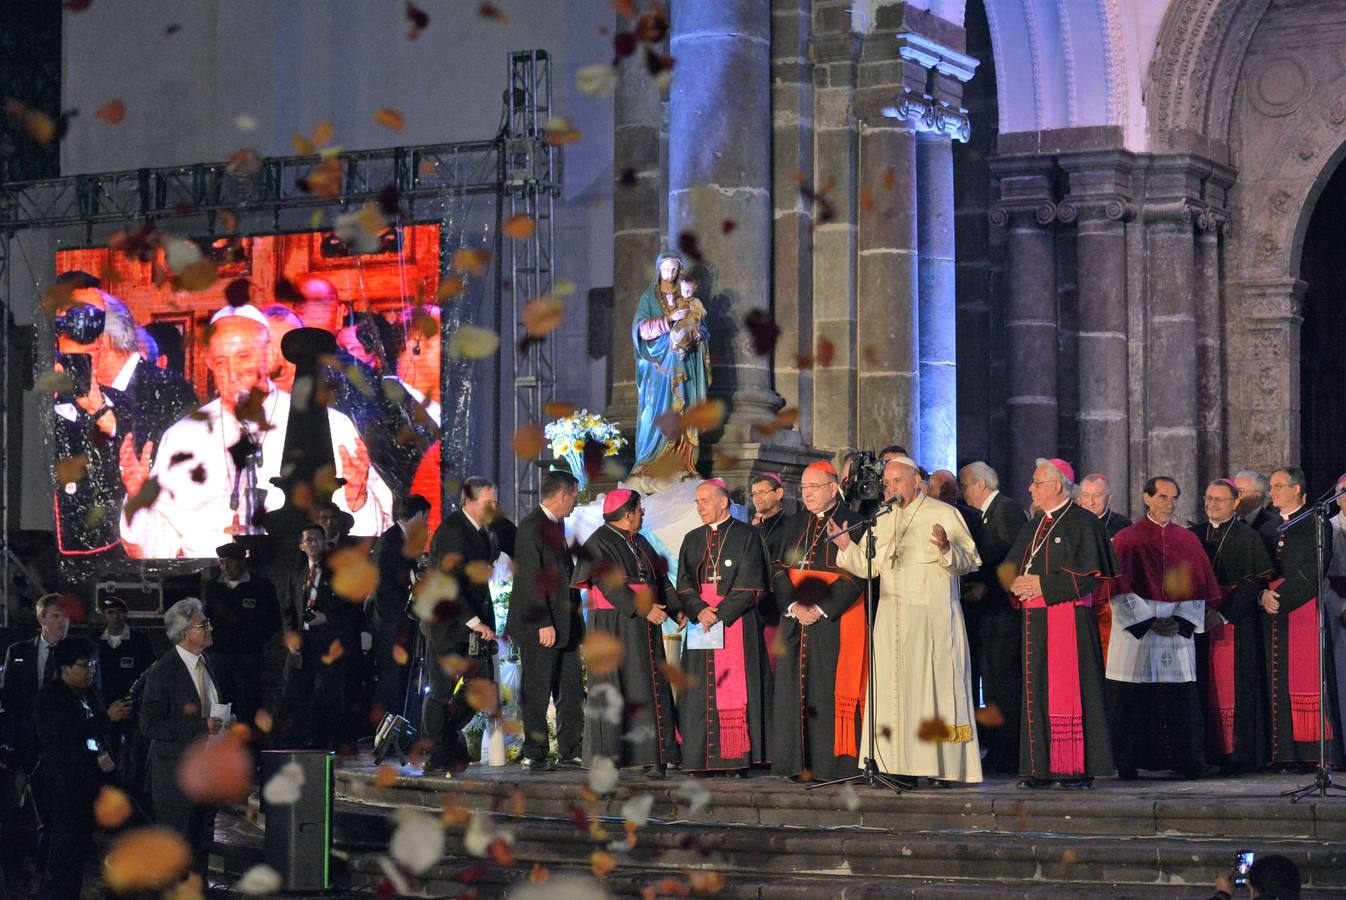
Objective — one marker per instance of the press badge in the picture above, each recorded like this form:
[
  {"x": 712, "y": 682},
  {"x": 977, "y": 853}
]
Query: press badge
[
  {"x": 128, "y": 662},
  {"x": 249, "y": 603}
]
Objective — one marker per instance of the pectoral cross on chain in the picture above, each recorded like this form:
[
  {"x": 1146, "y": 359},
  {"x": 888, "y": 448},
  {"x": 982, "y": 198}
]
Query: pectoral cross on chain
[
  {"x": 714, "y": 577},
  {"x": 896, "y": 556}
]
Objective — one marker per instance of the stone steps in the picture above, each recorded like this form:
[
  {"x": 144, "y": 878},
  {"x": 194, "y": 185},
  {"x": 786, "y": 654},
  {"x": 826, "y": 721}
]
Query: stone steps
[{"x": 1249, "y": 809}]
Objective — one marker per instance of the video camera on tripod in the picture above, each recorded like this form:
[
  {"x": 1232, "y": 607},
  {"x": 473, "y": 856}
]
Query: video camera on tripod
[{"x": 864, "y": 477}]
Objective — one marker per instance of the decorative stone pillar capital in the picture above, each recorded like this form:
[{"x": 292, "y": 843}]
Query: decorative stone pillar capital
[
  {"x": 1173, "y": 210},
  {"x": 1028, "y": 190},
  {"x": 935, "y": 56},
  {"x": 1113, "y": 207},
  {"x": 1278, "y": 300},
  {"x": 926, "y": 115},
  {"x": 1042, "y": 212}
]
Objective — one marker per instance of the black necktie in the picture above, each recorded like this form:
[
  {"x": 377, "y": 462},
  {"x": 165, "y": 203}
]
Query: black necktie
[{"x": 49, "y": 667}]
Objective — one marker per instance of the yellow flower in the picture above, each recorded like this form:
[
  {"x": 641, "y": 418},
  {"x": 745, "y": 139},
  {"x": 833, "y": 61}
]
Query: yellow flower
[{"x": 578, "y": 446}]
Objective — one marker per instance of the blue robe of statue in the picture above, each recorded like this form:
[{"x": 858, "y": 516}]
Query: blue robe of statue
[{"x": 665, "y": 382}]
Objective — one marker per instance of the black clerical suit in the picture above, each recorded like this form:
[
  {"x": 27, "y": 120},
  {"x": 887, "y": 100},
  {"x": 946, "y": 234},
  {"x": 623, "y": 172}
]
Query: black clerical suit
[
  {"x": 448, "y": 634},
  {"x": 542, "y": 598},
  {"x": 18, "y": 693},
  {"x": 316, "y": 704},
  {"x": 392, "y": 625},
  {"x": 171, "y": 717},
  {"x": 70, "y": 725},
  {"x": 245, "y": 616},
  {"x": 998, "y": 643}
]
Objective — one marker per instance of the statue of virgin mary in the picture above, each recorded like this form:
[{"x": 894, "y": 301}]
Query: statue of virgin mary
[{"x": 667, "y": 379}]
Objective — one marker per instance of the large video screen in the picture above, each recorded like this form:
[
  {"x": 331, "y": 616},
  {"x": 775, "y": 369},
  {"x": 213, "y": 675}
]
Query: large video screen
[{"x": 208, "y": 390}]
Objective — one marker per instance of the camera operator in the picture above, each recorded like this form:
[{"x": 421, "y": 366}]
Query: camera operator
[
  {"x": 462, "y": 539},
  {"x": 1269, "y": 878},
  {"x": 862, "y": 478}
]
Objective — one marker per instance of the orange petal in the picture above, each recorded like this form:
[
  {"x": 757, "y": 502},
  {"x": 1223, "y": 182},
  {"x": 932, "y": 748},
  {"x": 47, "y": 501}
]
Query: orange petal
[
  {"x": 146, "y": 859},
  {"x": 518, "y": 227},
  {"x": 390, "y": 118},
  {"x": 216, "y": 772},
  {"x": 602, "y": 653},
  {"x": 112, "y": 808},
  {"x": 529, "y": 441},
  {"x": 542, "y": 316},
  {"x": 112, "y": 112}
]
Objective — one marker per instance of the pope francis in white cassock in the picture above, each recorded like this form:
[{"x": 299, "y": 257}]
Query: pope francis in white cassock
[
  {"x": 922, "y": 669},
  {"x": 196, "y": 472}
]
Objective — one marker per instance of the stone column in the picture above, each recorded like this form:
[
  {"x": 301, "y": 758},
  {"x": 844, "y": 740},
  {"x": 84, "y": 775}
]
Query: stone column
[
  {"x": 945, "y": 122},
  {"x": 792, "y": 247},
  {"x": 1098, "y": 203},
  {"x": 1170, "y": 381},
  {"x": 1027, "y": 209},
  {"x": 1210, "y": 371},
  {"x": 635, "y": 220},
  {"x": 719, "y": 100},
  {"x": 835, "y": 50}
]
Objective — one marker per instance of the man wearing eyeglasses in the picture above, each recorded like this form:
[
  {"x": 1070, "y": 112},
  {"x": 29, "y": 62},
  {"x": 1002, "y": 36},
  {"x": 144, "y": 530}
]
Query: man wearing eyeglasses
[
  {"x": 1235, "y": 675},
  {"x": 72, "y": 728},
  {"x": 178, "y": 708}
]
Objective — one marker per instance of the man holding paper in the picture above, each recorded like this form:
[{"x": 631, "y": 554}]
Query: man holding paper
[{"x": 722, "y": 574}]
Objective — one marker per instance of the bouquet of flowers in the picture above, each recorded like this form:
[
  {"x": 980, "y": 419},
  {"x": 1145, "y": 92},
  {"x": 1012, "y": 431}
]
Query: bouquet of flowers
[{"x": 569, "y": 435}]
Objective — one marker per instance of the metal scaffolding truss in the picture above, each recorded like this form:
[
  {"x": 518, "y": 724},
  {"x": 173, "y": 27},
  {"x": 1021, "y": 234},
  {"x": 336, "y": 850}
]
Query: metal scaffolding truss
[{"x": 518, "y": 167}]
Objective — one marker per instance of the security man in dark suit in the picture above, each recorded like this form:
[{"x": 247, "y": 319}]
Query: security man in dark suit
[
  {"x": 462, "y": 545},
  {"x": 245, "y": 616},
  {"x": 123, "y": 656},
  {"x": 395, "y": 555},
  {"x": 996, "y": 646},
  {"x": 30, "y": 666},
  {"x": 175, "y": 710},
  {"x": 72, "y": 729},
  {"x": 315, "y": 712},
  {"x": 545, "y": 622}
]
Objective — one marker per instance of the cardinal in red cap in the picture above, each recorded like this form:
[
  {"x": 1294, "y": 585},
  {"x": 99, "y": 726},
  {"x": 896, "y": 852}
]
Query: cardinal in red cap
[
  {"x": 629, "y": 597},
  {"x": 1061, "y": 558}
]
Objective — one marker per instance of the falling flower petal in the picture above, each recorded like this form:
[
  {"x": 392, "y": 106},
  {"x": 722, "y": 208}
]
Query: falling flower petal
[
  {"x": 244, "y": 163},
  {"x": 390, "y": 118},
  {"x": 694, "y": 795},
  {"x": 602, "y": 775},
  {"x": 827, "y": 352},
  {"x": 385, "y": 777},
  {"x": 146, "y": 859},
  {"x": 418, "y": 19},
  {"x": 602, "y": 652},
  {"x": 72, "y": 470},
  {"x": 850, "y": 798},
  {"x": 602, "y": 863},
  {"x": 483, "y": 695},
  {"x": 471, "y": 261},
  {"x": 637, "y": 809},
  {"x": 491, "y": 11},
  {"x": 181, "y": 253},
  {"x": 542, "y": 316},
  {"x": 604, "y": 703},
  {"x": 451, "y": 286},
  {"x": 111, "y": 112},
  {"x": 143, "y": 499},
  {"x": 259, "y": 881},
  {"x": 53, "y": 382},
  {"x": 561, "y": 132},
  {"x": 704, "y": 415},
  {"x": 418, "y": 842},
  {"x": 990, "y": 716},
  {"x": 518, "y": 227},
  {"x": 112, "y": 808},
  {"x": 216, "y": 772},
  {"x": 245, "y": 122},
  {"x": 934, "y": 731},
  {"x": 481, "y": 833},
  {"x": 354, "y": 577},
  {"x": 473, "y": 342},
  {"x": 597, "y": 80}
]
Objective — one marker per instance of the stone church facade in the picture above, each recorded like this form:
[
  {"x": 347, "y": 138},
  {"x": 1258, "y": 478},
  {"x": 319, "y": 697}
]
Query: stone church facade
[{"x": 1020, "y": 228}]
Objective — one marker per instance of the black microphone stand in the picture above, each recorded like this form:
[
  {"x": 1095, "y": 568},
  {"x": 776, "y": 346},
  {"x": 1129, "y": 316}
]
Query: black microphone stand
[
  {"x": 1321, "y": 514},
  {"x": 871, "y": 774}
]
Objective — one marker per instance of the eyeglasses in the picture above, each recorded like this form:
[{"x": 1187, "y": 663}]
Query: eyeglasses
[
  {"x": 1041, "y": 483},
  {"x": 765, "y": 493},
  {"x": 1209, "y": 499},
  {"x": 88, "y": 665},
  {"x": 205, "y": 623},
  {"x": 82, "y": 323},
  {"x": 810, "y": 488}
]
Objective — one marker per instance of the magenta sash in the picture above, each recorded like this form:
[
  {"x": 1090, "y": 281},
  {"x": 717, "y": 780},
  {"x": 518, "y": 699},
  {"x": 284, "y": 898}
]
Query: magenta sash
[
  {"x": 598, "y": 601},
  {"x": 731, "y": 684},
  {"x": 1065, "y": 710},
  {"x": 1221, "y": 694}
]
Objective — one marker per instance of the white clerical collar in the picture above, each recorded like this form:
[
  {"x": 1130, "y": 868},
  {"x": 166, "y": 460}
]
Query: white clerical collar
[
  {"x": 1214, "y": 524},
  {"x": 123, "y": 379},
  {"x": 986, "y": 504},
  {"x": 1050, "y": 513},
  {"x": 546, "y": 512},
  {"x": 1152, "y": 520},
  {"x": 715, "y": 526},
  {"x": 1287, "y": 516}
]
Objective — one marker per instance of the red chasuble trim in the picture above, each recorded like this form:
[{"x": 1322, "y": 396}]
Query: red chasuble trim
[
  {"x": 852, "y": 661},
  {"x": 1301, "y": 665},
  {"x": 731, "y": 684}
]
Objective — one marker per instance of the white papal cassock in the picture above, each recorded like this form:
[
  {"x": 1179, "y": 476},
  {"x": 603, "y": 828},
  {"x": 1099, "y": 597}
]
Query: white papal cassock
[
  {"x": 196, "y": 476},
  {"x": 922, "y": 669}
]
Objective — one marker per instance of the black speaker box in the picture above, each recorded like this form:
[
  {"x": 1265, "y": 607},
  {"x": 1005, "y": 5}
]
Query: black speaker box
[{"x": 299, "y": 836}]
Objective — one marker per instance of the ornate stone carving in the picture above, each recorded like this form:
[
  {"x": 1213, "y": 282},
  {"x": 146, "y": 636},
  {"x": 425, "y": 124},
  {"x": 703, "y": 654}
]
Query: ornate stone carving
[
  {"x": 1114, "y": 207},
  {"x": 1267, "y": 248},
  {"x": 1044, "y": 212},
  {"x": 931, "y": 116},
  {"x": 1279, "y": 85},
  {"x": 1279, "y": 202}
]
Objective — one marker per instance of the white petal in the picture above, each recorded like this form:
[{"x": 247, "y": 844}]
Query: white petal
[
  {"x": 560, "y": 887},
  {"x": 260, "y": 880},
  {"x": 637, "y": 809},
  {"x": 418, "y": 842},
  {"x": 603, "y": 775},
  {"x": 850, "y": 797},
  {"x": 245, "y": 122},
  {"x": 181, "y": 254},
  {"x": 598, "y": 80},
  {"x": 694, "y": 795},
  {"x": 285, "y": 786}
]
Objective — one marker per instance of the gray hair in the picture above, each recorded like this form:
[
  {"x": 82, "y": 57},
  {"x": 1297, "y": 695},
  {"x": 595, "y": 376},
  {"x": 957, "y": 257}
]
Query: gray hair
[
  {"x": 1259, "y": 481},
  {"x": 1101, "y": 479},
  {"x": 178, "y": 618},
  {"x": 1067, "y": 486},
  {"x": 121, "y": 326},
  {"x": 980, "y": 471},
  {"x": 148, "y": 346}
]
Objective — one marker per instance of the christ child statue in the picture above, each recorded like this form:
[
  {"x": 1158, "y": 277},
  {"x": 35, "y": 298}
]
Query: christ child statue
[{"x": 687, "y": 315}]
